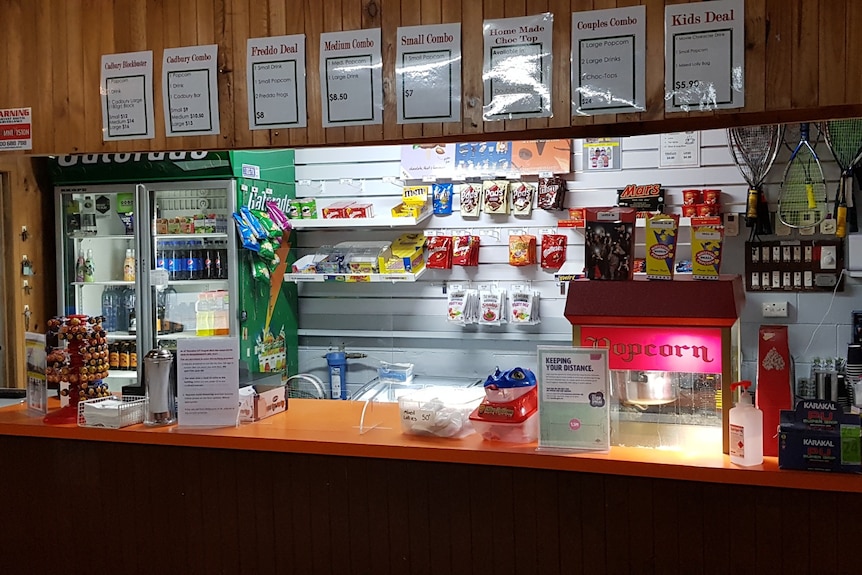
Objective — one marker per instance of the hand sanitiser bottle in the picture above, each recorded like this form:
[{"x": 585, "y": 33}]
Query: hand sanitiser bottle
[{"x": 746, "y": 429}]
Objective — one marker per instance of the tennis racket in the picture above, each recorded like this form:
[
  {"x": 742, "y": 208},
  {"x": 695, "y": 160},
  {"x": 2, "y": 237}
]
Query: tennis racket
[
  {"x": 802, "y": 198},
  {"x": 754, "y": 149},
  {"x": 844, "y": 138}
]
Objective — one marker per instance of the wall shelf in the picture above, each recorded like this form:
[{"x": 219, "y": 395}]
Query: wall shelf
[{"x": 353, "y": 278}]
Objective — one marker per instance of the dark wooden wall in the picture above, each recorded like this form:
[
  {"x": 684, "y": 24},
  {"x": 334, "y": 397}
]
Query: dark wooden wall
[
  {"x": 88, "y": 507},
  {"x": 797, "y": 53}
]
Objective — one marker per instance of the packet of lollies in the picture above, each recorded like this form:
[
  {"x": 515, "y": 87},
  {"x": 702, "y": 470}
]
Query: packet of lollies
[
  {"x": 706, "y": 246},
  {"x": 278, "y": 217},
  {"x": 249, "y": 241},
  {"x": 259, "y": 269},
  {"x": 255, "y": 226},
  {"x": 273, "y": 232}
]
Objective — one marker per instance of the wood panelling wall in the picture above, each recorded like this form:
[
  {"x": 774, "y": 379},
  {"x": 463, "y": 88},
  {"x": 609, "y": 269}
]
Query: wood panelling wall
[
  {"x": 797, "y": 53},
  {"x": 95, "y": 507},
  {"x": 25, "y": 201}
]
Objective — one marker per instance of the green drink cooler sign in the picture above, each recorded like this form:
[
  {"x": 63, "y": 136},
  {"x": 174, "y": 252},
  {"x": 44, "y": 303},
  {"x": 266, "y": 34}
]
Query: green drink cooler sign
[{"x": 574, "y": 398}]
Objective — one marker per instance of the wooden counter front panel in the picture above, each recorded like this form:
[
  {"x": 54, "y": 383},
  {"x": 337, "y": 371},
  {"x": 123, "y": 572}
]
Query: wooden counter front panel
[
  {"x": 796, "y": 55},
  {"x": 146, "y": 509}
]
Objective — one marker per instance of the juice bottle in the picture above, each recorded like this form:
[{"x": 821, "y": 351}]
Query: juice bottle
[
  {"x": 79, "y": 268},
  {"x": 89, "y": 268},
  {"x": 129, "y": 266}
]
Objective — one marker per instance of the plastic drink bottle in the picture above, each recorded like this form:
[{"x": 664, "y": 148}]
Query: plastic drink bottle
[{"x": 746, "y": 429}]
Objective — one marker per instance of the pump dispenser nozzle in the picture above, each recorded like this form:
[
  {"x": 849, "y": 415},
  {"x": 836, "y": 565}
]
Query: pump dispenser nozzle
[{"x": 744, "y": 396}]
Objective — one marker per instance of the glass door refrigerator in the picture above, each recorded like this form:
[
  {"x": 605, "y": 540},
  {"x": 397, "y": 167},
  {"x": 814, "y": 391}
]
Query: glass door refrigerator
[{"x": 159, "y": 260}]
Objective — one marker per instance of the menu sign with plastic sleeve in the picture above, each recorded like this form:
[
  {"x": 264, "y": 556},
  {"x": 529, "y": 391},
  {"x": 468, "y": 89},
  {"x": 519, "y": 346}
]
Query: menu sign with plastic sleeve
[
  {"x": 428, "y": 73},
  {"x": 351, "y": 78},
  {"x": 276, "y": 82},
  {"x": 517, "y": 67},
  {"x": 705, "y": 56},
  {"x": 190, "y": 91},
  {"x": 609, "y": 61},
  {"x": 574, "y": 398},
  {"x": 127, "y": 96}
]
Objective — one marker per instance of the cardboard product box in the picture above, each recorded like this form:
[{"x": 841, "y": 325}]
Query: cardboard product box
[
  {"x": 774, "y": 391},
  {"x": 260, "y": 401},
  {"x": 405, "y": 210},
  {"x": 819, "y": 436},
  {"x": 336, "y": 209},
  {"x": 405, "y": 255},
  {"x": 360, "y": 211}
]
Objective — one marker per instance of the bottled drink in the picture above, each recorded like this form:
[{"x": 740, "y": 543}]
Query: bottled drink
[
  {"x": 199, "y": 257},
  {"x": 107, "y": 309},
  {"x": 193, "y": 262},
  {"x": 208, "y": 269},
  {"x": 130, "y": 310},
  {"x": 161, "y": 261},
  {"x": 129, "y": 266},
  {"x": 79, "y": 268},
  {"x": 114, "y": 356},
  {"x": 89, "y": 267},
  {"x": 133, "y": 356},
  {"x": 170, "y": 249},
  {"x": 220, "y": 271},
  {"x": 182, "y": 259},
  {"x": 124, "y": 355}
]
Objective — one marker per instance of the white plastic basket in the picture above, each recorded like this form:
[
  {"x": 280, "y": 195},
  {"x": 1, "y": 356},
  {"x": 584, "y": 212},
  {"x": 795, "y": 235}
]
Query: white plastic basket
[{"x": 120, "y": 412}]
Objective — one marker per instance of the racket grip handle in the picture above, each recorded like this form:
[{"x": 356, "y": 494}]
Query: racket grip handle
[
  {"x": 841, "y": 222},
  {"x": 751, "y": 204},
  {"x": 812, "y": 201}
]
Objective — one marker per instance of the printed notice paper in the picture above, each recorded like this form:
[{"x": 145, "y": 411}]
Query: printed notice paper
[
  {"x": 517, "y": 67},
  {"x": 609, "y": 61},
  {"x": 574, "y": 411},
  {"x": 208, "y": 381},
  {"x": 16, "y": 129},
  {"x": 680, "y": 150},
  {"x": 428, "y": 74},
  {"x": 704, "y": 55},
  {"x": 351, "y": 78},
  {"x": 276, "y": 82},
  {"x": 37, "y": 383},
  {"x": 190, "y": 91},
  {"x": 127, "y": 96}
]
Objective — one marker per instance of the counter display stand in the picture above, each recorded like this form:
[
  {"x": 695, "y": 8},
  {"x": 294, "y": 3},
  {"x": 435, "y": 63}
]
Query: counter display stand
[{"x": 80, "y": 368}]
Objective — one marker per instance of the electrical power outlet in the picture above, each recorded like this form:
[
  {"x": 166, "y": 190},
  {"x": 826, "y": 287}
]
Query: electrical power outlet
[
  {"x": 774, "y": 309},
  {"x": 828, "y": 257},
  {"x": 731, "y": 224}
]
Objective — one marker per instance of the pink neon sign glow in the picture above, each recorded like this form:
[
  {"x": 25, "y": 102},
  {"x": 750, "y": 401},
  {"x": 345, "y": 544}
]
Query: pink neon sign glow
[{"x": 688, "y": 350}]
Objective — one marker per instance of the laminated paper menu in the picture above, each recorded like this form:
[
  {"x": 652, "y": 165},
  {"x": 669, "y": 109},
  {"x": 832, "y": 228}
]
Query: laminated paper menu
[
  {"x": 574, "y": 412},
  {"x": 208, "y": 381}
]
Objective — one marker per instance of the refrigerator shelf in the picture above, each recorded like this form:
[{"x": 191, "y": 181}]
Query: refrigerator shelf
[
  {"x": 203, "y": 282},
  {"x": 104, "y": 283},
  {"x": 117, "y": 373},
  {"x": 101, "y": 237},
  {"x": 212, "y": 236},
  {"x": 121, "y": 336},
  {"x": 375, "y": 222},
  {"x": 353, "y": 278}
]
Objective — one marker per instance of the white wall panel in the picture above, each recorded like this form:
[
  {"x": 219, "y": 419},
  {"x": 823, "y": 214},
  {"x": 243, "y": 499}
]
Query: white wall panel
[{"x": 406, "y": 321}]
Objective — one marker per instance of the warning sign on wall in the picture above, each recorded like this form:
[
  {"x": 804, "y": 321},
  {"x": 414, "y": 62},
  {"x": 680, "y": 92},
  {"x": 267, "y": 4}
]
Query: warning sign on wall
[{"x": 15, "y": 133}]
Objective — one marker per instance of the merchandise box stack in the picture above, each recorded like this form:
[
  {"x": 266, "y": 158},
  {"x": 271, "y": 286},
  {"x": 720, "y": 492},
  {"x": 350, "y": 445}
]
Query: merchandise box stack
[{"x": 819, "y": 436}]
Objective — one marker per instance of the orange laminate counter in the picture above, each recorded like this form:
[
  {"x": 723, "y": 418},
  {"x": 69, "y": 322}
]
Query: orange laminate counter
[{"x": 333, "y": 428}]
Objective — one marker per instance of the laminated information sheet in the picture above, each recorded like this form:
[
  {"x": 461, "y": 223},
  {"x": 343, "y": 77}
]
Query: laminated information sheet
[
  {"x": 351, "y": 78},
  {"x": 208, "y": 381},
  {"x": 609, "y": 61},
  {"x": 276, "y": 82},
  {"x": 428, "y": 74},
  {"x": 705, "y": 56},
  {"x": 574, "y": 396},
  {"x": 190, "y": 91},
  {"x": 127, "y": 96},
  {"x": 517, "y": 67}
]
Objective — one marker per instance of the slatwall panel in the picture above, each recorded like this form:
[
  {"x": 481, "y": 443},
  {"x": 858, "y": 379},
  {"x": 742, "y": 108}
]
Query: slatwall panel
[{"x": 406, "y": 322}]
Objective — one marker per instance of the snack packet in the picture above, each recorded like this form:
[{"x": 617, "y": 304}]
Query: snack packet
[
  {"x": 552, "y": 193},
  {"x": 494, "y": 195},
  {"x": 439, "y": 254},
  {"x": 272, "y": 230},
  {"x": 259, "y": 231},
  {"x": 491, "y": 306},
  {"x": 441, "y": 198},
  {"x": 553, "y": 251},
  {"x": 465, "y": 250},
  {"x": 470, "y": 195},
  {"x": 521, "y": 195},
  {"x": 249, "y": 241},
  {"x": 522, "y": 250},
  {"x": 278, "y": 216}
]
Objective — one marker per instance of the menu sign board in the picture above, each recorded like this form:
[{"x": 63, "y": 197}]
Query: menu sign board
[
  {"x": 190, "y": 91},
  {"x": 428, "y": 74},
  {"x": 517, "y": 67},
  {"x": 351, "y": 78},
  {"x": 609, "y": 61},
  {"x": 705, "y": 55},
  {"x": 127, "y": 96},
  {"x": 276, "y": 82}
]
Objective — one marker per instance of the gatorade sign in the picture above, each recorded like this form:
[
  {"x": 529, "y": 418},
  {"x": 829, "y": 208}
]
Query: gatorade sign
[{"x": 15, "y": 129}]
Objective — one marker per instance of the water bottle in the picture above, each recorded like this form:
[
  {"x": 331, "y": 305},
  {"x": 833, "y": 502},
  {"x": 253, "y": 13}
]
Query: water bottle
[
  {"x": 130, "y": 311},
  {"x": 120, "y": 309},
  {"x": 107, "y": 311}
]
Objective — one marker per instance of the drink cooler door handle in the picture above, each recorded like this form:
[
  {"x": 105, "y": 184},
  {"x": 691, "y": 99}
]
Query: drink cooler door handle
[{"x": 144, "y": 240}]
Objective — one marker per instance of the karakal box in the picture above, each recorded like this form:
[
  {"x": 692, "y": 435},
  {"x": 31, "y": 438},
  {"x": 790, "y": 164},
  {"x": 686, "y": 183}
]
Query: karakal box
[
  {"x": 260, "y": 401},
  {"x": 819, "y": 436}
]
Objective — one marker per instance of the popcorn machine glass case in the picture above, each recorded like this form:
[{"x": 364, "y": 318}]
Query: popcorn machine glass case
[{"x": 673, "y": 355}]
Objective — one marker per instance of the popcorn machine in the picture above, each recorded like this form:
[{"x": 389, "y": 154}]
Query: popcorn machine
[{"x": 673, "y": 355}]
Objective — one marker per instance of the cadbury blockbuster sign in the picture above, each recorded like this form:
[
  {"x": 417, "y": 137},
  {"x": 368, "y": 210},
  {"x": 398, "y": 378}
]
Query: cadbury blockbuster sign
[{"x": 140, "y": 167}]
